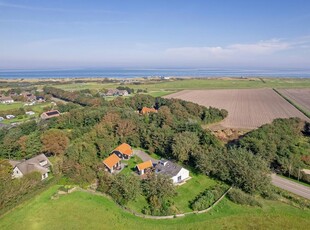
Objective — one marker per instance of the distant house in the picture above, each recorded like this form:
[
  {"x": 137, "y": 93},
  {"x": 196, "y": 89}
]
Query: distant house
[
  {"x": 146, "y": 110},
  {"x": 10, "y": 116},
  {"x": 50, "y": 114},
  {"x": 115, "y": 92},
  {"x": 39, "y": 164},
  {"x": 40, "y": 99},
  {"x": 124, "y": 151},
  {"x": 144, "y": 167},
  {"x": 112, "y": 163},
  {"x": 28, "y": 96},
  {"x": 1, "y": 118},
  {"x": 6, "y": 100},
  {"x": 176, "y": 172},
  {"x": 30, "y": 113}
]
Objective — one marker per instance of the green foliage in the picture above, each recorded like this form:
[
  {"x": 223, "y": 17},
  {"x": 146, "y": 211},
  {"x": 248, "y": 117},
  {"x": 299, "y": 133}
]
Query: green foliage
[
  {"x": 239, "y": 197},
  {"x": 124, "y": 188},
  {"x": 158, "y": 190},
  {"x": 281, "y": 144},
  {"x": 205, "y": 199}
]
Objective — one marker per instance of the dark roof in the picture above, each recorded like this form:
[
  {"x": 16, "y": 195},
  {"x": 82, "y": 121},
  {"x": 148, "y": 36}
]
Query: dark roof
[
  {"x": 167, "y": 168},
  {"x": 32, "y": 164},
  {"x": 51, "y": 113}
]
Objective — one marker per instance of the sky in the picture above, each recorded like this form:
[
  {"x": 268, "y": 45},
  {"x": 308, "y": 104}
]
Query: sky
[{"x": 244, "y": 34}]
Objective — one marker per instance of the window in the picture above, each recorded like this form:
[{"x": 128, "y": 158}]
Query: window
[{"x": 179, "y": 178}]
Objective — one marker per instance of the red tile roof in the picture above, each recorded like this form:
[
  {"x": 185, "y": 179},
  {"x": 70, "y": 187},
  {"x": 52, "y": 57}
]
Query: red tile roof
[
  {"x": 111, "y": 161},
  {"x": 146, "y": 110},
  {"x": 124, "y": 149},
  {"x": 145, "y": 165}
]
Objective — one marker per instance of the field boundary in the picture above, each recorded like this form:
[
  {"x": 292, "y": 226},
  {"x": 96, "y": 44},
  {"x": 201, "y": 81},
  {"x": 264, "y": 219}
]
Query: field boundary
[
  {"x": 156, "y": 217},
  {"x": 298, "y": 107}
]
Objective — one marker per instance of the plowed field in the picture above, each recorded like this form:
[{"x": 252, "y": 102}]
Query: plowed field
[
  {"x": 300, "y": 96},
  {"x": 247, "y": 108}
]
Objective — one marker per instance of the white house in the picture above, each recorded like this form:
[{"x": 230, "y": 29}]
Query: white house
[
  {"x": 1, "y": 118},
  {"x": 38, "y": 163},
  {"x": 176, "y": 172},
  {"x": 10, "y": 116},
  {"x": 30, "y": 113},
  {"x": 6, "y": 100}
]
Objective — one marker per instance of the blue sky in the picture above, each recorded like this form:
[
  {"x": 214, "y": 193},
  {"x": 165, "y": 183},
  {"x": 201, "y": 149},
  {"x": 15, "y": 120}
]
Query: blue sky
[{"x": 38, "y": 34}]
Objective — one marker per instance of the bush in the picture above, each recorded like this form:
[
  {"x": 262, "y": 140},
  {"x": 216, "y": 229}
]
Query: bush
[
  {"x": 239, "y": 197},
  {"x": 207, "y": 198}
]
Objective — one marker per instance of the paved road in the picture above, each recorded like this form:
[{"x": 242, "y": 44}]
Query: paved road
[{"x": 291, "y": 186}]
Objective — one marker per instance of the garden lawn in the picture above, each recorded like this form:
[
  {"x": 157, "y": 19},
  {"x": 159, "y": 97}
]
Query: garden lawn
[
  {"x": 15, "y": 105},
  {"x": 190, "y": 190},
  {"x": 131, "y": 164},
  {"x": 80, "y": 210}
]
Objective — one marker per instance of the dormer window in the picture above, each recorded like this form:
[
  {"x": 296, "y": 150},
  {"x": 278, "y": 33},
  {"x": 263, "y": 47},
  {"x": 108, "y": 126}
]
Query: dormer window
[{"x": 43, "y": 163}]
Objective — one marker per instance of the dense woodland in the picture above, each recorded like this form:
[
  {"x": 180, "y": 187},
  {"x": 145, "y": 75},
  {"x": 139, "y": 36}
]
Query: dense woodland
[{"x": 80, "y": 138}]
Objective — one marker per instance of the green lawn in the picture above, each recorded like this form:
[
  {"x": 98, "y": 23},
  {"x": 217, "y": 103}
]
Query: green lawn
[
  {"x": 81, "y": 210},
  {"x": 37, "y": 108},
  {"x": 15, "y": 105},
  {"x": 131, "y": 164},
  {"x": 188, "y": 191}
]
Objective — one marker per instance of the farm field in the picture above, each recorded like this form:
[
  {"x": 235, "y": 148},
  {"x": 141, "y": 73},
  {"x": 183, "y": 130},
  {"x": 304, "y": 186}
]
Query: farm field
[
  {"x": 300, "y": 96},
  {"x": 247, "y": 108},
  {"x": 80, "y": 210}
]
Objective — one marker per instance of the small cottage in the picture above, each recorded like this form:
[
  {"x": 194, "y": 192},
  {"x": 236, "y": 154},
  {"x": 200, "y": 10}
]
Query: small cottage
[
  {"x": 176, "y": 172},
  {"x": 38, "y": 163},
  {"x": 144, "y": 167},
  {"x": 6, "y": 100},
  {"x": 146, "y": 110},
  {"x": 124, "y": 151},
  {"x": 50, "y": 114},
  {"x": 112, "y": 163}
]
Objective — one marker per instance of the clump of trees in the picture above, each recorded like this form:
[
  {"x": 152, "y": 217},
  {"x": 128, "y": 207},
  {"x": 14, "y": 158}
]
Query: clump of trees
[
  {"x": 283, "y": 144},
  {"x": 239, "y": 197}
]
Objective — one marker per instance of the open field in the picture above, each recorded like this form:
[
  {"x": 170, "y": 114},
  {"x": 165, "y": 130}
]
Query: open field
[
  {"x": 177, "y": 85},
  {"x": 81, "y": 210},
  {"x": 247, "y": 108},
  {"x": 300, "y": 97}
]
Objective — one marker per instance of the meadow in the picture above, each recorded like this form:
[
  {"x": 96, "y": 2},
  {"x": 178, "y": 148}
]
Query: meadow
[
  {"x": 81, "y": 210},
  {"x": 177, "y": 85}
]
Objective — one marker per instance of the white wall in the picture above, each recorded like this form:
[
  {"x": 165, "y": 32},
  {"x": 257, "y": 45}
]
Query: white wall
[
  {"x": 17, "y": 173},
  {"x": 184, "y": 173}
]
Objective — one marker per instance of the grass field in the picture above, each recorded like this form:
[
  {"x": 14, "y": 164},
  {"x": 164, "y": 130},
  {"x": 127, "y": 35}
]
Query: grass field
[
  {"x": 188, "y": 191},
  {"x": 81, "y": 210},
  {"x": 176, "y": 85}
]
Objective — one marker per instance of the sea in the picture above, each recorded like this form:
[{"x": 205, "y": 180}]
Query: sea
[{"x": 137, "y": 73}]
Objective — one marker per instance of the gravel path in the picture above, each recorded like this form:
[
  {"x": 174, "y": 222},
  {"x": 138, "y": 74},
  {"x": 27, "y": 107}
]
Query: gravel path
[{"x": 144, "y": 156}]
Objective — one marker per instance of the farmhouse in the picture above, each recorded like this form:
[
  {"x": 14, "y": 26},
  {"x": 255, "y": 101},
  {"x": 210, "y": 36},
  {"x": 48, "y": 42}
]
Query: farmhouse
[
  {"x": 28, "y": 96},
  {"x": 115, "y": 92},
  {"x": 112, "y": 163},
  {"x": 144, "y": 167},
  {"x": 177, "y": 173},
  {"x": 5, "y": 100},
  {"x": 124, "y": 151},
  {"x": 50, "y": 114},
  {"x": 39, "y": 164},
  {"x": 146, "y": 110}
]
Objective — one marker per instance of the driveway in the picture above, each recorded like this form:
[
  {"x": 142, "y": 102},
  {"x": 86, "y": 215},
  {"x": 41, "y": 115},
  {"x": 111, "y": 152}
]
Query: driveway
[
  {"x": 144, "y": 156},
  {"x": 291, "y": 186}
]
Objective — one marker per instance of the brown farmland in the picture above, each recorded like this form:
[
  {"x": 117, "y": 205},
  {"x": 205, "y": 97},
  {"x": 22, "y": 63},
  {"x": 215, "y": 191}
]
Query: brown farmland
[
  {"x": 247, "y": 108},
  {"x": 300, "y": 96}
]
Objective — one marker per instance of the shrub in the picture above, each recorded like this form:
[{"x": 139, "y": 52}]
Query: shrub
[
  {"x": 207, "y": 198},
  {"x": 239, "y": 197}
]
